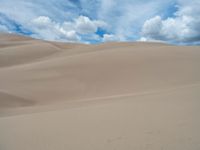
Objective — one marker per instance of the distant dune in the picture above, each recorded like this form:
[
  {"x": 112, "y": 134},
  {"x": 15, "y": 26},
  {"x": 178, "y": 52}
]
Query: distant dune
[{"x": 122, "y": 96}]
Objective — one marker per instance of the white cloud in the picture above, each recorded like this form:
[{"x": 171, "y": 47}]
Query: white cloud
[
  {"x": 72, "y": 36},
  {"x": 152, "y": 27},
  {"x": 43, "y": 22},
  {"x": 184, "y": 27},
  {"x": 110, "y": 38},
  {"x": 45, "y": 28},
  {"x": 143, "y": 39},
  {"x": 86, "y": 26}
]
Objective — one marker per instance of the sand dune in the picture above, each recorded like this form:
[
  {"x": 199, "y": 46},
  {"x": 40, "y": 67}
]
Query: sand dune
[
  {"x": 25, "y": 53},
  {"x": 108, "y": 96}
]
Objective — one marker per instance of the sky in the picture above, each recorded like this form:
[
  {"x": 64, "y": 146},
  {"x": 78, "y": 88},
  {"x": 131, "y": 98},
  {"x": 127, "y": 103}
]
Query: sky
[{"x": 96, "y": 21}]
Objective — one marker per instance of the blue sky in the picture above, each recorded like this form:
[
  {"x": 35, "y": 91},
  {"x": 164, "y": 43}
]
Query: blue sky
[{"x": 95, "y": 21}]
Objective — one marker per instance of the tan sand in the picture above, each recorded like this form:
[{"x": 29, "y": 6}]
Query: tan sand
[{"x": 120, "y": 96}]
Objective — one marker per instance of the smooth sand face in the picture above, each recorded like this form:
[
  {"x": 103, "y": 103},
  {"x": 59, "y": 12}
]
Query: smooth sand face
[{"x": 110, "y": 96}]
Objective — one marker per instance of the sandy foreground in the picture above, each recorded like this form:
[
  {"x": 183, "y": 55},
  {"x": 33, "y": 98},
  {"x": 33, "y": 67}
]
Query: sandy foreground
[{"x": 112, "y": 96}]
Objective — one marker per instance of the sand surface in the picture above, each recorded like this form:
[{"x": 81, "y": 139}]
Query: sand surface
[{"x": 111, "y": 96}]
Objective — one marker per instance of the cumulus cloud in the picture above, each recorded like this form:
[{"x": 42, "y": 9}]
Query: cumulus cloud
[
  {"x": 43, "y": 22},
  {"x": 45, "y": 28},
  {"x": 85, "y": 26},
  {"x": 71, "y": 31},
  {"x": 110, "y": 38},
  {"x": 183, "y": 28},
  {"x": 152, "y": 27}
]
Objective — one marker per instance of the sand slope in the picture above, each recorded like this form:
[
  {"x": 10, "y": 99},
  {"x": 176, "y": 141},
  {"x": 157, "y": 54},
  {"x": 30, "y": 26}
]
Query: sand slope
[{"x": 108, "y": 96}]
